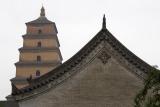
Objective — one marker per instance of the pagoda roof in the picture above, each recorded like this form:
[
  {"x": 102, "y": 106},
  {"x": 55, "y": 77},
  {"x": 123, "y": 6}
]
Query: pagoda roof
[
  {"x": 42, "y": 19},
  {"x": 103, "y": 36}
]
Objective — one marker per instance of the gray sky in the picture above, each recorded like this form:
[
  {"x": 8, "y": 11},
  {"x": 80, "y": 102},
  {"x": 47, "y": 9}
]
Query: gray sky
[{"x": 136, "y": 23}]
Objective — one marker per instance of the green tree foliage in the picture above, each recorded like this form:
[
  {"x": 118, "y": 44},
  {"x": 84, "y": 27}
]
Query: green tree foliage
[{"x": 149, "y": 96}]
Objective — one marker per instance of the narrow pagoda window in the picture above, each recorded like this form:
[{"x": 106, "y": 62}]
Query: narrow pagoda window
[
  {"x": 38, "y": 73},
  {"x": 39, "y": 31},
  {"x": 38, "y": 58},
  {"x": 39, "y": 44}
]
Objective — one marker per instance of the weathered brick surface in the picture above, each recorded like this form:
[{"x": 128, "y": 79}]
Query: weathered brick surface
[{"x": 97, "y": 85}]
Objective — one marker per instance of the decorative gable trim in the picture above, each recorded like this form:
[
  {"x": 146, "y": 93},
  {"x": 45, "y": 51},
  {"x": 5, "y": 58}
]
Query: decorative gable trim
[{"x": 104, "y": 57}]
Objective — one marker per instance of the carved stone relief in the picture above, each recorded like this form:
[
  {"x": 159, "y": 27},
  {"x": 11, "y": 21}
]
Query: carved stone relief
[{"x": 104, "y": 57}]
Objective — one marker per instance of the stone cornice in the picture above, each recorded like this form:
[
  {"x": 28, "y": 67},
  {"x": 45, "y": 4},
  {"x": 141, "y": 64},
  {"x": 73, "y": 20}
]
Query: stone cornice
[
  {"x": 35, "y": 63},
  {"x": 39, "y": 36},
  {"x": 39, "y": 49}
]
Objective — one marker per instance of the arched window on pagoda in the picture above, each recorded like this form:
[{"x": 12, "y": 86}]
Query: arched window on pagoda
[
  {"x": 38, "y": 58},
  {"x": 38, "y": 73},
  {"x": 39, "y": 44},
  {"x": 39, "y": 31}
]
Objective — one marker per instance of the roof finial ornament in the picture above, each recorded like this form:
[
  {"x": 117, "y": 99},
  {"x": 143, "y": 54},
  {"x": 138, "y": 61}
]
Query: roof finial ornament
[
  {"x": 42, "y": 11},
  {"x": 104, "y": 22}
]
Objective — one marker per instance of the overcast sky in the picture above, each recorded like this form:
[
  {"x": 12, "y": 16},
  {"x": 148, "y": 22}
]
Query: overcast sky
[{"x": 136, "y": 23}]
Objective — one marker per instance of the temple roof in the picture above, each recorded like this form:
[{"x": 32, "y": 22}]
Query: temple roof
[
  {"x": 42, "y": 19},
  {"x": 102, "y": 36}
]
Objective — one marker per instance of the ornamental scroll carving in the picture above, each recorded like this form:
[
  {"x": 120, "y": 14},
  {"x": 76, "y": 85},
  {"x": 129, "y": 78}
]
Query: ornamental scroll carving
[{"x": 104, "y": 57}]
